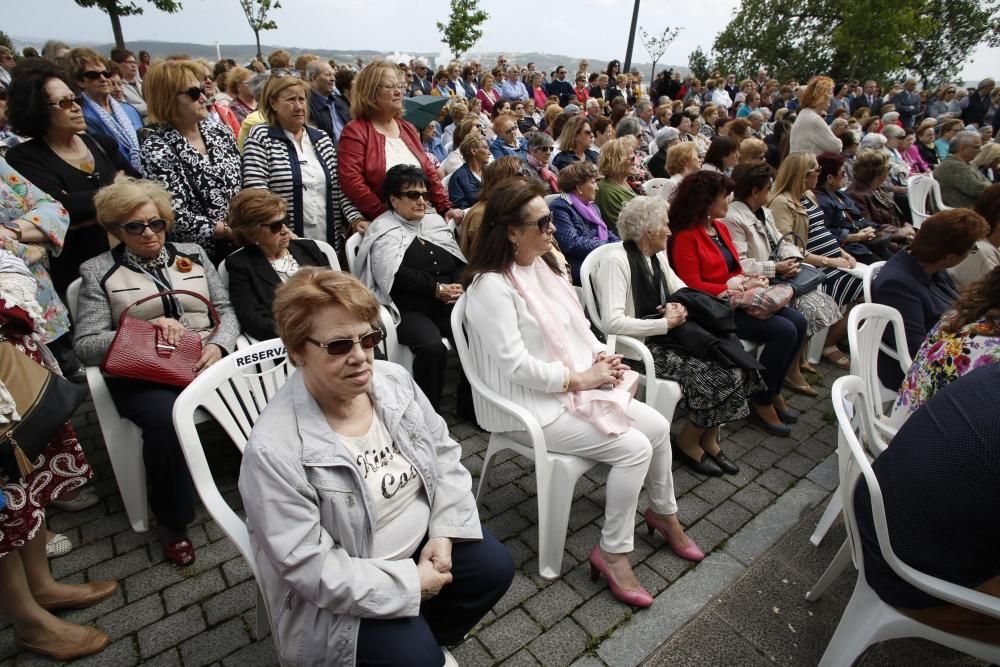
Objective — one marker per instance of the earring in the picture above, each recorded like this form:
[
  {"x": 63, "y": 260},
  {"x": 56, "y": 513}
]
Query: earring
[{"x": 515, "y": 249}]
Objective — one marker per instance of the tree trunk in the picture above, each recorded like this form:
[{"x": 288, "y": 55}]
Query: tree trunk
[
  {"x": 116, "y": 24},
  {"x": 652, "y": 78},
  {"x": 256, "y": 35}
]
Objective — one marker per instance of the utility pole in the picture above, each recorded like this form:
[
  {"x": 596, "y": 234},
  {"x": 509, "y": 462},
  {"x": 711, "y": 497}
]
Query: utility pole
[{"x": 631, "y": 39}]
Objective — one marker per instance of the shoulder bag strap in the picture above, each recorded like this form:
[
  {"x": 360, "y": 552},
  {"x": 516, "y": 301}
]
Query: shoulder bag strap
[{"x": 159, "y": 295}]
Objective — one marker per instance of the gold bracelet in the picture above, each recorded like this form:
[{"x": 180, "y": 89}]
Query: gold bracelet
[{"x": 565, "y": 386}]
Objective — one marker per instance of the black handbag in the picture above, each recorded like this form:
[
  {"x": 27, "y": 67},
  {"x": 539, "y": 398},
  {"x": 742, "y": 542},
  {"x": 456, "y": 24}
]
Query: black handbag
[
  {"x": 807, "y": 279},
  {"x": 44, "y": 400}
]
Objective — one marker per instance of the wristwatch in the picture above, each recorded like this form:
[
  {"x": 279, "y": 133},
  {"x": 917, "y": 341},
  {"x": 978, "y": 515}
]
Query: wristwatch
[{"x": 826, "y": 262}]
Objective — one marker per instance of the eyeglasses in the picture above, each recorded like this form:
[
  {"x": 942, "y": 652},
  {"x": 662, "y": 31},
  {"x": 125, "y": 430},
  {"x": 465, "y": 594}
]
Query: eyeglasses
[
  {"x": 194, "y": 92},
  {"x": 276, "y": 226},
  {"x": 138, "y": 228},
  {"x": 543, "y": 223},
  {"x": 414, "y": 195},
  {"x": 65, "y": 103},
  {"x": 398, "y": 86},
  {"x": 342, "y": 346},
  {"x": 587, "y": 131},
  {"x": 94, "y": 76},
  {"x": 547, "y": 149}
]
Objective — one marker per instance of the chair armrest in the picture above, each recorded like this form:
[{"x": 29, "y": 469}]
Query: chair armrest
[
  {"x": 640, "y": 350},
  {"x": 858, "y": 272},
  {"x": 516, "y": 411}
]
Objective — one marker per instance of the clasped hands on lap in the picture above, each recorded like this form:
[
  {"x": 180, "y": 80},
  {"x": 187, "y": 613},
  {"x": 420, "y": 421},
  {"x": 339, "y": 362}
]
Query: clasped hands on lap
[
  {"x": 434, "y": 566},
  {"x": 607, "y": 369}
]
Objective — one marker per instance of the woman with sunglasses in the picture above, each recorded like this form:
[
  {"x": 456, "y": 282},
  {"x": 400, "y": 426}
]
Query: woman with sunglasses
[
  {"x": 139, "y": 214},
  {"x": 410, "y": 260},
  {"x": 268, "y": 258},
  {"x": 575, "y": 143},
  {"x": 104, "y": 114},
  {"x": 360, "y": 513},
  {"x": 194, "y": 158},
  {"x": 544, "y": 357}
]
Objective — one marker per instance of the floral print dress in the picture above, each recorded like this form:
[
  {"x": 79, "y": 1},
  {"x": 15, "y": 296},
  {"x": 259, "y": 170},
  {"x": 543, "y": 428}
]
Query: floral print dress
[
  {"x": 20, "y": 200},
  {"x": 944, "y": 357}
]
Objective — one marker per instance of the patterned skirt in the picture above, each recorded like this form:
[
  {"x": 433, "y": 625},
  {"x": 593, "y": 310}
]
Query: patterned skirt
[
  {"x": 819, "y": 308},
  {"x": 712, "y": 394},
  {"x": 61, "y": 467}
]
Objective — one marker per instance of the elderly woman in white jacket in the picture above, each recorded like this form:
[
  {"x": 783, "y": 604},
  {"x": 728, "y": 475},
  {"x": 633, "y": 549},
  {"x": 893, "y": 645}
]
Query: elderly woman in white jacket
[
  {"x": 641, "y": 296},
  {"x": 361, "y": 515},
  {"x": 532, "y": 344}
]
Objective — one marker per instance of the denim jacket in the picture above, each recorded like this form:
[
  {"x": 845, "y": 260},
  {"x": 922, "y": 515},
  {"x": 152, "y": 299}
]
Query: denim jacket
[{"x": 312, "y": 520}]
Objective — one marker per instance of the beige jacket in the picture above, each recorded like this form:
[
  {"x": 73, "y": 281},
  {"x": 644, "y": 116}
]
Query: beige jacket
[
  {"x": 751, "y": 241},
  {"x": 789, "y": 216}
]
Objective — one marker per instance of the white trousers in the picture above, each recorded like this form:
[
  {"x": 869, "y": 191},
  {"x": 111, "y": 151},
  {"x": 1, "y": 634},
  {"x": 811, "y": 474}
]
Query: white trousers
[{"x": 641, "y": 453}]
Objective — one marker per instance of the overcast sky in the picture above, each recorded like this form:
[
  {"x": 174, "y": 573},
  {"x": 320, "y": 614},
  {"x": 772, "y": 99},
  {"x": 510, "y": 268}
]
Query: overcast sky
[{"x": 593, "y": 28}]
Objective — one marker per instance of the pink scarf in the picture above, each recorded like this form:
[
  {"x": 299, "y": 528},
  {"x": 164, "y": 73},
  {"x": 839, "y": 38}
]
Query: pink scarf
[{"x": 605, "y": 409}]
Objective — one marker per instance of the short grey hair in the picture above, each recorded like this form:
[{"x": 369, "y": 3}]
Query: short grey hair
[
  {"x": 593, "y": 103},
  {"x": 643, "y": 106},
  {"x": 641, "y": 215},
  {"x": 755, "y": 115},
  {"x": 539, "y": 140},
  {"x": 628, "y": 127},
  {"x": 314, "y": 67},
  {"x": 959, "y": 141},
  {"x": 256, "y": 84},
  {"x": 873, "y": 140},
  {"x": 893, "y": 132}
]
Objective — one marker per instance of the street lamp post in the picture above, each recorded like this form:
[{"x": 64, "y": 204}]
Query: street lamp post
[{"x": 631, "y": 38}]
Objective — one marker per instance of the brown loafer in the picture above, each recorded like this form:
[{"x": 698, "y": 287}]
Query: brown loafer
[
  {"x": 96, "y": 591},
  {"x": 93, "y": 642}
]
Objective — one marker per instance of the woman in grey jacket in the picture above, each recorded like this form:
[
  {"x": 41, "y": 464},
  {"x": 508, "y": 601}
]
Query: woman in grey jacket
[
  {"x": 366, "y": 534},
  {"x": 138, "y": 213}
]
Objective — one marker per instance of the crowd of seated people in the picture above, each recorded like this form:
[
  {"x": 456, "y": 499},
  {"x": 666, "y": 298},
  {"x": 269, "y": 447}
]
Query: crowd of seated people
[{"x": 144, "y": 174}]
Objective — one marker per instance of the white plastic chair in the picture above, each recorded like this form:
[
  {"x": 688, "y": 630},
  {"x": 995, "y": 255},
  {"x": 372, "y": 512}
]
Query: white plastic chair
[
  {"x": 867, "y": 619},
  {"x": 918, "y": 190},
  {"x": 351, "y": 251},
  {"x": 869, "y": 278},
  {"x": 556, "y": 474},
  {"x": 234, "y": 390},
  {"x": 122, "y": 438},
  {"x": 654, "y": 186},
  {"x": 551, "y": 198},
  {"x": 445, "y": 180},
  {"x": 663, "y": 395},
  {"x": 865, "y": 325},
  {"x": 936, "y": 197}
]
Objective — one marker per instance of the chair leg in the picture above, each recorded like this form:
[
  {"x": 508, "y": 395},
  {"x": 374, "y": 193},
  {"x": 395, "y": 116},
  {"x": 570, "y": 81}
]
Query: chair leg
[
  {"x": 833, "y": 570},
  {"x": 867, "y": 620},
  {"x": 263, "y": 624},
  {"x": 830, "y": 515},
  {"x": 815, "y": 350},
  {"x": 555, "y": 498},
  {"x": 491, "y": 451}
]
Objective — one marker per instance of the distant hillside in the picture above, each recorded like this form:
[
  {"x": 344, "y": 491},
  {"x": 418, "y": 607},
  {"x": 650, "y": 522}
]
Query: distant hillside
[{"x": 243, "y": 53}]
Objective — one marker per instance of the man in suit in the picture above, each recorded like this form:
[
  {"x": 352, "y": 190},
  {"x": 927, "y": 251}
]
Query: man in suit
[
  {"x": 561, "y": 87},
  {"x": 868, "y": 98},
  {"x": 421, "y": 84},
  {"x": 907, "y": 103},
  {"x": 328, "y": 109}
]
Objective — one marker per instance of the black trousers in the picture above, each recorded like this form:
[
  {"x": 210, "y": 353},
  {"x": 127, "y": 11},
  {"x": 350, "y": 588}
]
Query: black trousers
[
  {"x": 150, "y": 407},
  {"x": 422, "y": 333},
  {"x": 782, "y": 335},
  {"x": 482, "y": 571}
]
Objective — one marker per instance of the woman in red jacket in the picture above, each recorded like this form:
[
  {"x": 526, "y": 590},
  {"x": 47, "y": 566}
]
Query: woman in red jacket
[
  {"x": 378, "y": 139},
  {"x": 703, "y": 255}
]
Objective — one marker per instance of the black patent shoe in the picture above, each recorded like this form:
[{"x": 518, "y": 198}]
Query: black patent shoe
[
  {"x": 704, "y": 467},
  {"x": 781, "y": 430},
  {"x": 724, "y": 462},
  {"x": 788, "y": 415}
]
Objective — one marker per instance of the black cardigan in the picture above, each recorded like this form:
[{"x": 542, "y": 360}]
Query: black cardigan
[{"x": 252, "y": 281}]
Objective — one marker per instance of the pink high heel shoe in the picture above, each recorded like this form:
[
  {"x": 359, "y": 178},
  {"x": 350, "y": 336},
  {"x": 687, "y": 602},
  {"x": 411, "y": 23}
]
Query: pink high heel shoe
[
  {"x": 691, "y": 552},
  {"x": 636, "y": 598}
]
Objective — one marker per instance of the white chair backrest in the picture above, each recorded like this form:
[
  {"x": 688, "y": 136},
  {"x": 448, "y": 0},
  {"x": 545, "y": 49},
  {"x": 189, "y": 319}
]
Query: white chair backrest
[
  {"x": 869, "y": 278},
  {"x": 654, "y": 187},
  {"x": 850, "y": 390},
  {"x": 551, "y": 198},
  {"x": 73, "y": 297},
  {"x": 331, "y": 254},
  {"x": 223, "y": 273},
  {"x": 865, "y": 326},
  {"x": 446, "y": 180},
  {"x": 351, "y": 250},
  {"x": 918, "y": 190},
  {"x": 936, "y": 193}
]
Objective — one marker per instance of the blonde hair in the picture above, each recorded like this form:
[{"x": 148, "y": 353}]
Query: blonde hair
[
  {"x": 791, "y": 176},
  {"x": 250, "y": 209},
  {"x": 162, "y": 83},
  {"x": 752, "y": 150},
  {"x": 114, "y": 202},
  {"x": 298, "y": 300},
  {"x": 234, "y": 77},
  {"x": 615, "y": 161},
  {"x": 274, "y": 87},
  {"x": 567, "y": 138},
  {"x": 679, "y": 156},
  {"x": 365, "y": 89},
  {"x": 817, "y": 88},
  {"x": 78, "y": 58},
  {"x": 986, "y": 155}
]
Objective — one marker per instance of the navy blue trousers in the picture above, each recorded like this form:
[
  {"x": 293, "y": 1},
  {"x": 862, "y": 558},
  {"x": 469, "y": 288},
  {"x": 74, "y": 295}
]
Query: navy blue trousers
[
  {"x": 482, "y": 571},
  {"x": 782, "y": 335}
]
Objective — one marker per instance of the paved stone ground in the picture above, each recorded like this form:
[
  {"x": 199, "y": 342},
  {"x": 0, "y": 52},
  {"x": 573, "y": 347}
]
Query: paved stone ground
[{"x": 203, "y": 615}]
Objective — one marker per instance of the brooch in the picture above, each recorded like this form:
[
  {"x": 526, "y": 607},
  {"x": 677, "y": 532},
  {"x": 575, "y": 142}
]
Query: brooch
[{"x": 184, "y": 265}]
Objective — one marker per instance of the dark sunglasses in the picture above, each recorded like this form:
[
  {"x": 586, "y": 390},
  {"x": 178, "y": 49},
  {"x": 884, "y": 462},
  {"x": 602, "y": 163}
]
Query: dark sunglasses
[
  {"x": 544, "y": 223},
  {"x": 65, "y": 103},
  {"x": 194, "y": 92},
  {"x": 137, "y": 228},
  {"x": 94, "y": 76},
  {"x": 341, "y": 346},
  {"x": 275, "y": 227},
  {"x": 414, "y": 195}
]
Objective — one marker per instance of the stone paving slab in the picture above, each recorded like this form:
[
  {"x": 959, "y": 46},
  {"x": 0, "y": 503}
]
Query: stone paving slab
[{"x": 204, "y": 614}]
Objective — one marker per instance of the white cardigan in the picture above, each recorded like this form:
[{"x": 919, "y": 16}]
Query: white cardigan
[
  {"x": 811, "y": 134},
  {"x": 614, "y": 294},
  {"x": 509, "y": 352}
]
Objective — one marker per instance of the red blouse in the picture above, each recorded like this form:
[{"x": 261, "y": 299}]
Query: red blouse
[{"x": 698, "y": 261}]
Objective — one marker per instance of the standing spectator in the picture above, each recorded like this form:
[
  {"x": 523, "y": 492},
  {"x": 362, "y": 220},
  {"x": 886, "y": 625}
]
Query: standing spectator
[
  {"x": 328, "y": 109},
  {"x": 868, "y": 99},
  {"x": 103, "y": 114},
  {"x": 144, "y": 62},
  {"x": 810, "y": 133},
  {"x": 194, "y": 158},
  {"x": 562, "y": 88},
  {"x": 907, "y": 103},
  {"x": 131, "y": 79},
  {"x": 961, "y": 182},
  {"x": 977, "y": 104}
]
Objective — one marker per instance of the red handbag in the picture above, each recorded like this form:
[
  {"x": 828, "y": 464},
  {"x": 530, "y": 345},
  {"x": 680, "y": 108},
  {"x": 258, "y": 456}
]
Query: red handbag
[{"x": 139, "y": 351}]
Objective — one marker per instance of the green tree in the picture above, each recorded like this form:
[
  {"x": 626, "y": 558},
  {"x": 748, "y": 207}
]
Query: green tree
[
  {"x": 5, "y": 41},
  {"x": 700, "y": 64},
  {"x": 464, "y": 27},
  {"x": 116, "y": 9},
  {"x": 961, "y": 26},
  {"x": 657, "y": 45},
  {"x": 256, "y": 13}
]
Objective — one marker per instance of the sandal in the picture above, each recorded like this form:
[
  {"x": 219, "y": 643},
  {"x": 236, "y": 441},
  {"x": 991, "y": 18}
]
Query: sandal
[
  {"x": 59, "y": 545},
  {"x": 804, "y": 389},
  {"x": 806, "y": 367},
  {"x": 837, "y": 358}
]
